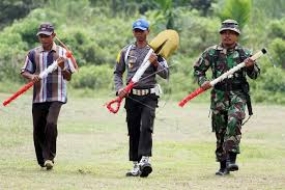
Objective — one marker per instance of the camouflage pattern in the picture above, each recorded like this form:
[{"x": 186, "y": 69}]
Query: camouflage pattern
[
  {"x": 230, "y": 24},
  {"x": 227, "y": 104}
]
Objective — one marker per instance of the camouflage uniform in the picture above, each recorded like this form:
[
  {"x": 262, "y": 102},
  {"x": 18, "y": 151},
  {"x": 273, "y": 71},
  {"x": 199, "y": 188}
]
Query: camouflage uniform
[{"x": 229, "y": 97}]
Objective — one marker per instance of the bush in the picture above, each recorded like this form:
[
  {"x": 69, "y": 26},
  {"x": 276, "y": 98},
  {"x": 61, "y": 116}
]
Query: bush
[
  {"x": 277, "y": 47},
  {"x": 274, "y": 80},
  {"x": 277, "y": 29},
  {"x": 95, "y": 37},
  {"x": 93, "y": 77}
]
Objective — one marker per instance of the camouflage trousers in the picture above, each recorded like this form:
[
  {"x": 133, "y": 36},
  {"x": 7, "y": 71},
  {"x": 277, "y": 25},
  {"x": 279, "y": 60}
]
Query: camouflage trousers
[{"x": 226, "y": 124}]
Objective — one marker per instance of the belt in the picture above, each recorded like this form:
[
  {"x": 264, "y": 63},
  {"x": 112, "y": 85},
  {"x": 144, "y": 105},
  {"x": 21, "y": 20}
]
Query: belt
[
  {"x": 228, "y": 87},
  {"x": 143, "y": 92}
]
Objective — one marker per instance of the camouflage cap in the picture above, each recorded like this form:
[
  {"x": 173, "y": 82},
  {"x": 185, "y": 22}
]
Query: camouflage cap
[{"x": 230, "y": 24}]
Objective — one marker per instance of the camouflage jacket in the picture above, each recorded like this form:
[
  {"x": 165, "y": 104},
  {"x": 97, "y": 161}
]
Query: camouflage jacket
[{"x": 220, "y": 60}]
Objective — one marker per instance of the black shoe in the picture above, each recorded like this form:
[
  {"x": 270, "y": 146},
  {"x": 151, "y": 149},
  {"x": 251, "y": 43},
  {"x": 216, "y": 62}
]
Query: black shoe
[
  {"x": 145, "y": 169},
  {"x": 223, "y": 172},
  {"x": 232, "y": 167}
]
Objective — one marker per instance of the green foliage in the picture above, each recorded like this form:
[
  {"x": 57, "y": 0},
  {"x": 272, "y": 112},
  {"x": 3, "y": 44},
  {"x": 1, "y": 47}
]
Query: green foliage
[
  {"x": 202, "y": 5},
  {"x": 270, "y": 86},
  {"x": 274, "y": 80},
  {"x": 96, "y": 31},
  {"x": 199, "y": 33},
  {"x": 125, "y": 8},
  {"x": 93, "y": 77},
  {"x": 22, "y": 7},
  {"x": 10, "y": 69},
  {"x": 238, "y": 10},
  {"x": 270, "y": 9},
  {"x": 277, "y": 29},
  {"x": 277, "y": 47}
]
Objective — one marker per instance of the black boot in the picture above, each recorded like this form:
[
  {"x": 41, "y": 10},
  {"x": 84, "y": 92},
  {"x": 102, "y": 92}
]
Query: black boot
[
  {"x": 223, "y": 169},
  {"x": 232, "y": 166}
]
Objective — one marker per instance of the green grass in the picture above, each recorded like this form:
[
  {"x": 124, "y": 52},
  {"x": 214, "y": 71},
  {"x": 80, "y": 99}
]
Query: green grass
[{"x": 93, "y": 149}]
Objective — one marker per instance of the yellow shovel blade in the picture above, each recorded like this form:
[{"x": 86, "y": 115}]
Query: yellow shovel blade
[{"x": 165, "y": 43}]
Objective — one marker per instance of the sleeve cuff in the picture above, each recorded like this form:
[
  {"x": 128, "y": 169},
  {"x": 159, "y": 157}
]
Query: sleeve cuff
[{"x": 201, "y": 81}]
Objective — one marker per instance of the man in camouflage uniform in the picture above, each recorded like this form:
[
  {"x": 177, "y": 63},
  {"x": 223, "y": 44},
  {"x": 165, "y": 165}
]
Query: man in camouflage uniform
[
  {"x": 229, "y": 97},
  {"x": 142, "y": 101}
]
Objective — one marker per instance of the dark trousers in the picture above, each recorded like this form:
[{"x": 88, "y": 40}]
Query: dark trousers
[
  {"x": 140, "y": 120},
  {"x": 45, "y": 117}
]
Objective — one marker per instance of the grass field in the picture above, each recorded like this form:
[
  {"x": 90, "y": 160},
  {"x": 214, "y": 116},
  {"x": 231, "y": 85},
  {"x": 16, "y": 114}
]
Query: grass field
[{"x": 93, "y": 149}]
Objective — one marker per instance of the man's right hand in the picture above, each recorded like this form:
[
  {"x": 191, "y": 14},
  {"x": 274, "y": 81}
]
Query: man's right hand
[
  {"x": 35, "y": 78},
  {"x": 248, "y": 62},
  {"x": 122, "y": 93},
  {"x": 206, "y": 85}
]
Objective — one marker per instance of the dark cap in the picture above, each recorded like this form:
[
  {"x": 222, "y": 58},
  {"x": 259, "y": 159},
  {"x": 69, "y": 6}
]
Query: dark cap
[
  {"x": 230, "y": 24},
  {"x": 45, "y": 28}
]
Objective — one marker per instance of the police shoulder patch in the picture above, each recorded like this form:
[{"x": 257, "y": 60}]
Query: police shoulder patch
[{"x": 118, "y": 58}]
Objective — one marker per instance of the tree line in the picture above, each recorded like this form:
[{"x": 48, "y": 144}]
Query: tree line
[{"x": 97, "y": 30}]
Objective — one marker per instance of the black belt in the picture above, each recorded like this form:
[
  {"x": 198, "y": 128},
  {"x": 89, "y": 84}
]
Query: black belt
[{"x": 228, "y": 86}]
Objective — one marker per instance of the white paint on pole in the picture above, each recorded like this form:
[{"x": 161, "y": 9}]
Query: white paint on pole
[
  {"x": 143, "y": 67},
  {"x": 236, "y": 68},
  {"x": 48, "y": 70}
]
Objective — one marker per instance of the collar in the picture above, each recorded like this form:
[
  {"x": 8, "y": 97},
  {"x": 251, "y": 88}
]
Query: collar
[
  {"x": 223, "y": 49},
  {"x": 54, "y": 47},
  {"x": 136, "y": 47}
]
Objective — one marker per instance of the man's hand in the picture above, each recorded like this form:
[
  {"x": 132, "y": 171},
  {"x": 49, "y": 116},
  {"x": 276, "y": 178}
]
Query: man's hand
[
  {"x": 122, "y": 93},
  {"x": 248, "y": 62},
  {"x": 60, "y": 62},
  {"x": 34, "y": 78},
  {"x": 153, "y": 59},
  {"x": 66, "y": 75},
  {"x": 206, "y": 85}
]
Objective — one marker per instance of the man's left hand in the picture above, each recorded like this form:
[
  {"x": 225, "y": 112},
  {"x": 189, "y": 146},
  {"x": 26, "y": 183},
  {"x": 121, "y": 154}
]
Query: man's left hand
[{"x": 60, "y": 62}]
